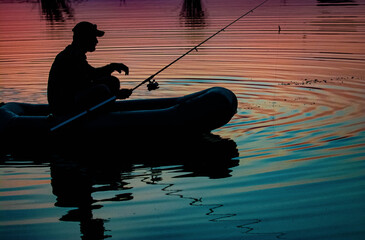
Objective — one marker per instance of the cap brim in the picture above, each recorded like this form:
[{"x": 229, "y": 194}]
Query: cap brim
[{"x": 99, "y": 33}]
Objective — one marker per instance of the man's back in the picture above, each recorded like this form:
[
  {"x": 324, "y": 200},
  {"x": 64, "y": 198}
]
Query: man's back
[{"x": 69, "y": 74}]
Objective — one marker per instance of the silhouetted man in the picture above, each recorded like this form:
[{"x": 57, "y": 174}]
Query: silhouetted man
[{"x": 73, "y": 84}]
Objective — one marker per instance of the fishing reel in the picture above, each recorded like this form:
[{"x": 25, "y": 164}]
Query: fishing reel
[{"x": 152, "y": 85}]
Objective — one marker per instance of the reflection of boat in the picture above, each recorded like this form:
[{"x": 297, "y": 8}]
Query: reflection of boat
[
  {"x": 77, "y": 176},
  {"x": 195, "y": 113},
  {"x": 86, "y": 180}
]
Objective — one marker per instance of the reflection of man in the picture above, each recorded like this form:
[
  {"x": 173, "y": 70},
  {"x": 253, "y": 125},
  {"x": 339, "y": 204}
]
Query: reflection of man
[
  {"x": 74, "y": 182},
  {"x": 73, "y": 84}
]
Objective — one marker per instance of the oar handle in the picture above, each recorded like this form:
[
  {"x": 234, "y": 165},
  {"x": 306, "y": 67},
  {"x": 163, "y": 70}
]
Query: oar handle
[{"x": 82, "y": 114}]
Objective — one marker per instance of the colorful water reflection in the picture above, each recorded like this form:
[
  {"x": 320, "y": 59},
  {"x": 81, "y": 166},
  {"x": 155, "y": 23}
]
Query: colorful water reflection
[{"x": 298, "y": 71}]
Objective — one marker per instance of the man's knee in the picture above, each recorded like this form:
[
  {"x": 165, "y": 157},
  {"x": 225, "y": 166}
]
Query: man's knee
[
  {"x": 113, "y": 84},
  {"x": 93, "y": 96}
]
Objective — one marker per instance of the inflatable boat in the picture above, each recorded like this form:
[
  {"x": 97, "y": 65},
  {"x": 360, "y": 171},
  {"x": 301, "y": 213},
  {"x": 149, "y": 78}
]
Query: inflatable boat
[{"x": 200, "y": 112}]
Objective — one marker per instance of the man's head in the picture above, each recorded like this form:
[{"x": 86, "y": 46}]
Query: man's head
[{"x": 85, "y": 35}]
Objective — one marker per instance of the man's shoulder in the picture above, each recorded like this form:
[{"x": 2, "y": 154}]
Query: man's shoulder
[{"x": 70, "y": 53}]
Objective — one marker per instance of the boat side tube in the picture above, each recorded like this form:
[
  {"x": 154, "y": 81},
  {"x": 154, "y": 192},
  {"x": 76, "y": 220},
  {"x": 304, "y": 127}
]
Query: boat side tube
[{"x": 195, "y": 113}]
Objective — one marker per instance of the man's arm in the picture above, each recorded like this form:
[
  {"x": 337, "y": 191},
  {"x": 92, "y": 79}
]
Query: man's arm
[{"x": 110, "y": 68}]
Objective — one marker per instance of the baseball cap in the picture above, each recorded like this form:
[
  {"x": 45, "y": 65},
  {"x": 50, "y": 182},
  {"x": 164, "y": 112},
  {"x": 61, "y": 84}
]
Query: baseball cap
[{"x": 87, "y": 28}]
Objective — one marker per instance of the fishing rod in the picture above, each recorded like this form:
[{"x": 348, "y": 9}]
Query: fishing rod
[{"x": 154, "y": 85}]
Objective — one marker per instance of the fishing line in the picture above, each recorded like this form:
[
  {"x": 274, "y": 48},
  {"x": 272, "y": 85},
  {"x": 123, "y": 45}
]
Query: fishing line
[{"x": 154, "y": 85}]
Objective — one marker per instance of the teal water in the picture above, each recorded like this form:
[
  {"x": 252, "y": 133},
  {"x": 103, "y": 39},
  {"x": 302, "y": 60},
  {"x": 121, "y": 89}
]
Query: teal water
[{"x": 299, "y": 131}]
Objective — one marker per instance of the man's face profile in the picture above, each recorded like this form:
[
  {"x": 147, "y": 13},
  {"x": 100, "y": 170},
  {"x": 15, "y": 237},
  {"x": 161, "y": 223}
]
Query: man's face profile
[
  {"x": 91, "y": 43},
  {"x": 85, "y": 36}
]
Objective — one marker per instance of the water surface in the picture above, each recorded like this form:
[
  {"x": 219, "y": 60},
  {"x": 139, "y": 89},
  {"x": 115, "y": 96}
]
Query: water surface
[{"x": 299, "y": 129}]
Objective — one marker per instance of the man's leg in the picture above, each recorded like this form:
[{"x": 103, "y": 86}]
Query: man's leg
[
  {"x": 111, "y": 82},
  {"x": 92, "y": 96}
]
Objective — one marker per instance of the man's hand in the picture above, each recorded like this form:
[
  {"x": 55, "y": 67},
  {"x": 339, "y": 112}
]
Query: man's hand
[
  {"x": 124, "y": 93},
  {"x": 119, "y": 67}
]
